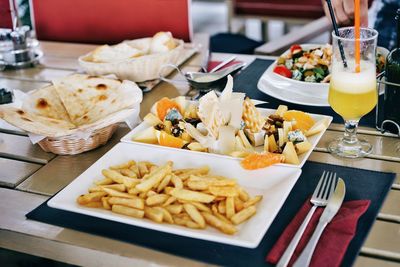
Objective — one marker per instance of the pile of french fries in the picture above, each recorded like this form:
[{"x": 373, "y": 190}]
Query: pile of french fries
[{"x": 192, "y": 198}]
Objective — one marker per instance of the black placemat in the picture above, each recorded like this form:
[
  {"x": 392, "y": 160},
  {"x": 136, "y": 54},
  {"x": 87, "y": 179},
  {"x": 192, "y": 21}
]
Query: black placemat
[
  {"x": 360, "y": 184},
  {"x": 246, "y": 81}
]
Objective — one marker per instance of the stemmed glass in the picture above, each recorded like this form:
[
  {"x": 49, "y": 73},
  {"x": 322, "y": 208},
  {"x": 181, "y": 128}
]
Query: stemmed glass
[{"x": 353, "y": 94}]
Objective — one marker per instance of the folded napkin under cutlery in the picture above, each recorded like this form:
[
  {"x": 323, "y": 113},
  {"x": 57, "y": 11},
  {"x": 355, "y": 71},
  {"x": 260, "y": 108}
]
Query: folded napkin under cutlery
[{"x": 334, "y": 241}]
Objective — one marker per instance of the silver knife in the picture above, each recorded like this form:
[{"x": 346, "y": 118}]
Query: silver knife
[{"x": 334, "y": 203}]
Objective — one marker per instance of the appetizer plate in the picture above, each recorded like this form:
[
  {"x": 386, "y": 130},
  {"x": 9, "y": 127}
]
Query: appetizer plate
[
  {"x": 128, "y": 138},
  {"x": 298, "y": 92},
  {"x": 293, "y": 91},
  {"x": 274, "y": 183}
]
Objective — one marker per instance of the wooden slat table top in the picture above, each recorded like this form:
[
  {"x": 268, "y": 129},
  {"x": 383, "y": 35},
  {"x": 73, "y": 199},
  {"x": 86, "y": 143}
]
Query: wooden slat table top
[
  {"x": 381, "y": 248},
  {"x": 13, "y": 172}
]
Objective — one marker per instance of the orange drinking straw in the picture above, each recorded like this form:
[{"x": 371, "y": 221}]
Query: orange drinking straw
[{"x": 357, "y": 33}]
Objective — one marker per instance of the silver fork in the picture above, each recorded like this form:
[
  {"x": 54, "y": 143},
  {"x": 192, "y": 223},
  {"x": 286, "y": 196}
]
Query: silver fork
[{"x": 322, "y": 192}]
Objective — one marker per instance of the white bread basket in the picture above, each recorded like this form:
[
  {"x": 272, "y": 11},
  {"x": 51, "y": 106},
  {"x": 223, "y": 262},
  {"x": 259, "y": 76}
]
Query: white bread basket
[{"x": 140, "y": 69}]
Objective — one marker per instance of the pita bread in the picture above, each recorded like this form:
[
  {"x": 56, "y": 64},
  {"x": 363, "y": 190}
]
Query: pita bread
[
  {"x": 45, "y": 102},
  {"x": 115, "y": 53},
  {"x": 90, "y": 98},
  {"x": 34, "y": 123}
]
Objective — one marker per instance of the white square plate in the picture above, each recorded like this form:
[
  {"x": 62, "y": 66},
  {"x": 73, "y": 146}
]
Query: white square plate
[
  {"x": 274, "y": 183},
  {"x": 128, "y": 138}
]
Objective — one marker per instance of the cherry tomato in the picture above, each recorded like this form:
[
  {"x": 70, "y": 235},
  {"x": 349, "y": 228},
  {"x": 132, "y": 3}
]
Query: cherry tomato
[
  {"x": 282, "y": 70},
  {"x": 295, "y": 48}
]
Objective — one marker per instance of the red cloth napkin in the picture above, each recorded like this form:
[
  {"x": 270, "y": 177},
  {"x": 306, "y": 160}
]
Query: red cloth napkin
[
  {"x": 213, "y": 64},
  {"x": 334, "y": 240}
]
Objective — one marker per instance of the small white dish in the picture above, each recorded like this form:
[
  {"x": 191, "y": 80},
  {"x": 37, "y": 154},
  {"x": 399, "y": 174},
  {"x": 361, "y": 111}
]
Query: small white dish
[
  {"x": 274, "y": 183},
  {"x": 293, "y": 91},
  {"x": 128, "y": 138}
]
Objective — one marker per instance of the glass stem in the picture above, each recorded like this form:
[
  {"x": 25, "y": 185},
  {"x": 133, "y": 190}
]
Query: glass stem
[{"x": 350, "y": 131}]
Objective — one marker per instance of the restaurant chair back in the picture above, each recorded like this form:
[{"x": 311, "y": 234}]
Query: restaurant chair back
[
  {"x": 5, "y": 14},
  {"x": 105, "y": 21}
]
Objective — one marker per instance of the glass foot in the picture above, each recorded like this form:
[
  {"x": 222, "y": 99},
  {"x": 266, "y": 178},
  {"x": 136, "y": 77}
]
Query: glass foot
[{"x": 358, "y": 149}]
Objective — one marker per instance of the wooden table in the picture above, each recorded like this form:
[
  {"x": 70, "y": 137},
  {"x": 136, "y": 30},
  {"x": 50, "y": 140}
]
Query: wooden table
[{"x": 29, "y": 176}]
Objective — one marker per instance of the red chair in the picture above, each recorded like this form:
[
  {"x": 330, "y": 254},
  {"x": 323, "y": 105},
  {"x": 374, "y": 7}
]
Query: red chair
[
  {"x": 107, "y": 21},
  {"x": 289, "y": 11},
  {"x": 5, "y": 14}
]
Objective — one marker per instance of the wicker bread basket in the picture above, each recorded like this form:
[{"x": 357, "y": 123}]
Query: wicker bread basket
[
  {"x": 71, "y": 145},
  {"x": 139, "y": 69}
]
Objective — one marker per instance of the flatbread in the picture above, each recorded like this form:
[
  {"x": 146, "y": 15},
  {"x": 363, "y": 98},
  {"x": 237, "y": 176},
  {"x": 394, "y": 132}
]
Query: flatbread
[
  {"x": 90, "y": 98},
  {"x": 115, "y": 53},
  {"x": 45, "y": 102},
  {"x": 34, "y": 123}
]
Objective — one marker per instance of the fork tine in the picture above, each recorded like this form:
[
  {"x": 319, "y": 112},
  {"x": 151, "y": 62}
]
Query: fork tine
[
  {"x": 319, "y": 185},
  {"x": 325, "y": 185},
  {"x": 333, "y": 185}
]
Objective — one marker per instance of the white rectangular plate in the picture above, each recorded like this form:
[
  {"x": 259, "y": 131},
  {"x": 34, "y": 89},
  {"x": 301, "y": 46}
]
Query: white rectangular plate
[
  {"x": 274, "y": 183},
  {"x": 128, "y": 138}
]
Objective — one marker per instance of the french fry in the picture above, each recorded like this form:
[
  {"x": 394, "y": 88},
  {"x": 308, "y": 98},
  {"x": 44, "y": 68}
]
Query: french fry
[
  {"x": 189, "y": 195},
  {"x": 136, "y": 203},
  {"x": 104, "y": 202},
  {"x": 90, "y": 197},
  {"x": 222, "y": 217},
  {"x": 135, "y": 169},
  {"x": 156, "y": 199},
  {"x": 150, "y": 193},
  {"x": 133, "y": 191},
  {"x": 230, "y": 207},
  {"x": 154, "y": 178},
  {"x": 219, "y": 224},
  {"x": 169, "y": 201},
  {"x": 201, "y": 206},
  {"x": 223, "y": 191},
  {"x": 222, "y": 207},
  {"x": 199, "y": 171},
  {"x": 253, "y": 201},
  {"x": 118, "y": 187},
  {"x": 243, "y": 195},
  {"x": 127, "y": 211},
  {"x": 105, "y": 181},
  {"x": 123, "y": 165},
  {"x": 168, "y": 190},
  {"x": 238, "y": 204},
  {"x": 197, "y": 185},
  {"x": 115, "y": 193},
  {"x": 164, "y": 183},
  {"x": 194, "y": 214},
  {"x": 179, "y": 220},
  {"x": 143, "y": 170},
  {"x": 167, "y": 217},
  {"x": 95, "y": 204},
  {"x": 129, "y": 173},
  {"x": 120, "y": 179},
  {"x": 153, "y": 214},
  {"x": 243, "y": 215},
  {"x": 214, "y": 208},
  {"x": 175, "y": 208},
  {"x": 176, "y": 181},
  {"x": 193, "y": 225}
]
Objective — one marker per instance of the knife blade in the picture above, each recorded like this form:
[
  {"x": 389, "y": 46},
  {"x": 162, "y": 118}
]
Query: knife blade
[{"x": 334, "y": 204}]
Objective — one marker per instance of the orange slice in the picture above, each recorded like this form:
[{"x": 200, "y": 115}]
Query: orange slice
[
  {"x": 261, "y": 160},
  {"x": 164, "y": 105},
  {"x": 166, "y": 139},
  {"x": 302, "y": 120}
]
